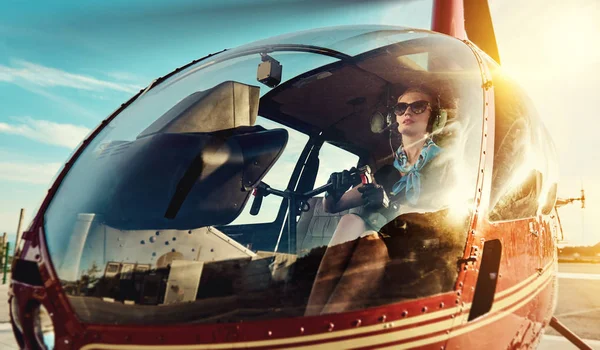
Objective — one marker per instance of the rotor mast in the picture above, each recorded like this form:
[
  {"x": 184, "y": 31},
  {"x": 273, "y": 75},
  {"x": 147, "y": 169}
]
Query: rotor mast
[
  {"x": 466, "y": 20},
  {"x": 449, "y": 18}
]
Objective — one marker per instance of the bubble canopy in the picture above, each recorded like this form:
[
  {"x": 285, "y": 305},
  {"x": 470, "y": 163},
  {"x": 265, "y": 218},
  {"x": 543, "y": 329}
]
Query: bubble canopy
[{"x": 158, "y": 209}]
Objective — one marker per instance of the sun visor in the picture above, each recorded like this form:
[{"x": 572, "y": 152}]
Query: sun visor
[{"x": 225, "y": 106}]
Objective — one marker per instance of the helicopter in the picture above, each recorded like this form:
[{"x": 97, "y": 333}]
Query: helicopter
[{"x": 193, "y": 216}]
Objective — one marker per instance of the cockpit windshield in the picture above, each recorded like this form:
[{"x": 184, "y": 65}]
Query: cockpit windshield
[{"x": 211, "y": 195}]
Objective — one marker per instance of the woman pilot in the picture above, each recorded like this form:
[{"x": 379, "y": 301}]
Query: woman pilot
[
  {"x": 416, "y": 115},
  {"x": 339, "y": 282}
]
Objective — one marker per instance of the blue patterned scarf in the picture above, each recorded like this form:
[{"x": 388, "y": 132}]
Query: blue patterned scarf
[{"x": 410, "y": 183}]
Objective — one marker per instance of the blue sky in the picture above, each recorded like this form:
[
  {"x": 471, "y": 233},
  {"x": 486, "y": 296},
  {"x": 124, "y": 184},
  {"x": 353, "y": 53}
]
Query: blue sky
[{"x": 65, "y": 67}]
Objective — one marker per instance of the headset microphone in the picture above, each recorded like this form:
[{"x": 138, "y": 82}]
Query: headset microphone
[{"x": 391, "y": 127}]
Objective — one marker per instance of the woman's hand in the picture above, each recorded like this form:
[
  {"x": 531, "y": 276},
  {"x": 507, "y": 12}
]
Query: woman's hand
[
  {"x": 374, "y": 196},
  {"x": 341, "y": 182}
]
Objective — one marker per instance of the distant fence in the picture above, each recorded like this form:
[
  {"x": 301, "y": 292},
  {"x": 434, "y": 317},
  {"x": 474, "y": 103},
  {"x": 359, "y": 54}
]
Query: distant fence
[{"x": 5, "y": 256}]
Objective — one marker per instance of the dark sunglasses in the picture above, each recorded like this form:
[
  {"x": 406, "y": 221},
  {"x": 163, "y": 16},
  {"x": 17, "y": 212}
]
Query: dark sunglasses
[{"x": 417, "y": 107}]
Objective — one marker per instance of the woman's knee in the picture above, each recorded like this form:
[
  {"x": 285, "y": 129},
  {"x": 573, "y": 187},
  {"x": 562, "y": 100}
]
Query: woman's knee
[{"x": 350, "y": 228}]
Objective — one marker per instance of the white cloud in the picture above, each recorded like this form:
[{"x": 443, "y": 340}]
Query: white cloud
[
  {"x": 64, "y": 102},
  {"x": 124, "y": 76},
  {"x": 5, "y": 76},
  {"x": 8, "y": 224},
  {"x": 33, "y": 173},
  {"x": 65, "y": 135},
  {"x": 23, "y": 71}
]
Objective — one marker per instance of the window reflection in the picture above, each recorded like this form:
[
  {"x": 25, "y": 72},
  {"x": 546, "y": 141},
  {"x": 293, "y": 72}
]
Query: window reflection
[{"x": 525, "y": 174}]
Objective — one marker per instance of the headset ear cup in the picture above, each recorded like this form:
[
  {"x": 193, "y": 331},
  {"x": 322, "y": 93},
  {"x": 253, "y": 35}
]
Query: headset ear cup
[{"x": 440, "y": 121}]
